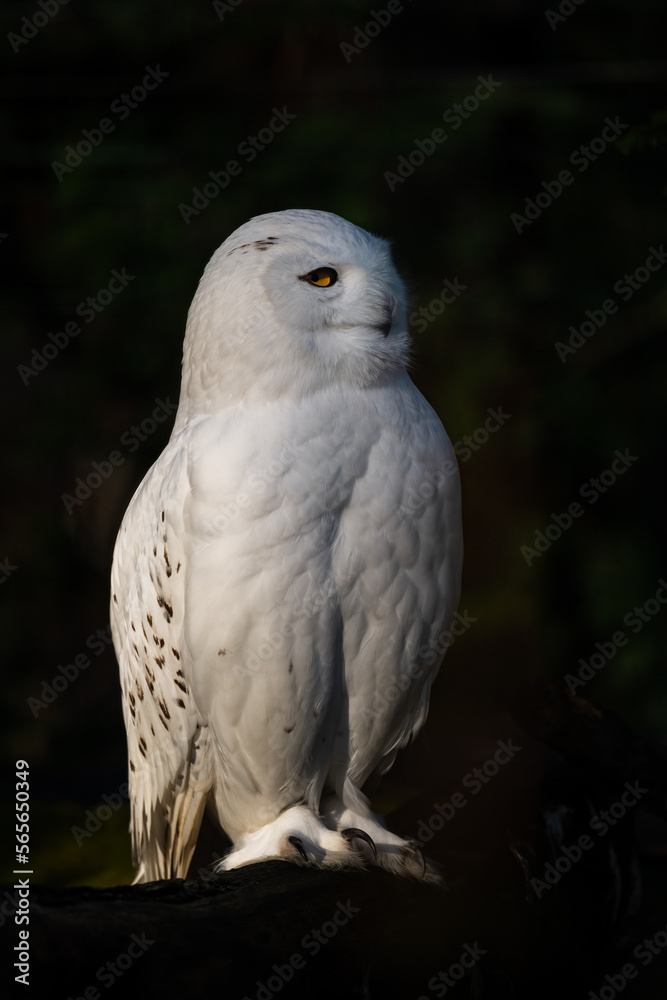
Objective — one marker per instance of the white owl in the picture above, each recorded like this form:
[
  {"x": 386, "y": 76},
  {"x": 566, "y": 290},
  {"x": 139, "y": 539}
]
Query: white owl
[{"x": 285, "y": 572}]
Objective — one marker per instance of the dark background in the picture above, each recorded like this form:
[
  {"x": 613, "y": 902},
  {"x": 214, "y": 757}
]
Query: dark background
[{"x": 451, "y": 219}]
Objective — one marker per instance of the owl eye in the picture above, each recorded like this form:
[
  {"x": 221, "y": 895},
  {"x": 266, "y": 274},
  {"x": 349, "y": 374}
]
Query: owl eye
[{"x": 323, "y": 277}]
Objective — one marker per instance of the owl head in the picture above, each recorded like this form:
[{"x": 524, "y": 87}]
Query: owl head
[{"x": 293, "y": 302}]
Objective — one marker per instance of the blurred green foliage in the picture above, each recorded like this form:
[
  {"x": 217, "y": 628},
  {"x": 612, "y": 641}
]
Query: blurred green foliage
[{"x": 493, "y": 347}]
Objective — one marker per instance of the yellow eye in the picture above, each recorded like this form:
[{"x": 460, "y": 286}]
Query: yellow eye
[{"x": 323, "y": 277}]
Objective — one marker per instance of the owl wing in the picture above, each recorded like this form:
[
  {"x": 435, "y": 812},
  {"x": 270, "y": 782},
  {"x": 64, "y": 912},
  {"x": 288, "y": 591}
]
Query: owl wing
[
  {"x": 398, "y": 602},
  {"x": 170, "y": 769}
]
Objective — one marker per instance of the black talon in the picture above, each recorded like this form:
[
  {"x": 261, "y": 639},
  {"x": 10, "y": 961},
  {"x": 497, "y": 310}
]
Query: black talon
[
  {"x": 354, "y": 834},
  {"x": 295, "y": 842}
]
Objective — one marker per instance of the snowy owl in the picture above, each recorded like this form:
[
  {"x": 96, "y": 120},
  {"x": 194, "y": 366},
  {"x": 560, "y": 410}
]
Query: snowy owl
[{"x": 286, "y": 571}]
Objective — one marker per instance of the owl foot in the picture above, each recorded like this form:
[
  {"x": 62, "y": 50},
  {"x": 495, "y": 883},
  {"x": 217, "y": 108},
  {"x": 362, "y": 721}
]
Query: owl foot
[
  {"x": 396, "y": 854},
  {"x": 297, "y": 835}
]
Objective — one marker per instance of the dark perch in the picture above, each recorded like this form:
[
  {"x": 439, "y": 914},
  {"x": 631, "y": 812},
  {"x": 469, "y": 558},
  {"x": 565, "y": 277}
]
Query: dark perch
[{"x": 224, "y": 936}]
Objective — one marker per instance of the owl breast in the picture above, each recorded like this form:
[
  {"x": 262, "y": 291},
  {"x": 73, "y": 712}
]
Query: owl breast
[{"x": 353, "y": 579}]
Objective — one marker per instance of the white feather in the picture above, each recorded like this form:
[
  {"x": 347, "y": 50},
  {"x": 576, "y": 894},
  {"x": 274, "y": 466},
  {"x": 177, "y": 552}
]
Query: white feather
[{"x": 310, "y": 592}]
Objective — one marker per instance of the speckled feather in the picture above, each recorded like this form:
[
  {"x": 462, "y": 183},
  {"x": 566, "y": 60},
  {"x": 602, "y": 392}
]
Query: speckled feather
[{"x": 275, "y": 583}]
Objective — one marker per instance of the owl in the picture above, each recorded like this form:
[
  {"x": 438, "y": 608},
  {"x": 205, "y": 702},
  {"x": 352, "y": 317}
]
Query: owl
[{"x": 285, "y": 573}]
